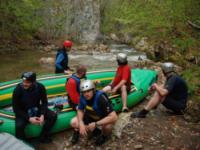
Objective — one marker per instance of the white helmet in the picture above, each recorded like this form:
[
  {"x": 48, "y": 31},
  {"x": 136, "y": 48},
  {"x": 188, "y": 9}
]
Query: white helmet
[
  {"x": 167, "y": 67},
  {"x": 121, "y": 58},
  {"x": 87, "y": 85}
]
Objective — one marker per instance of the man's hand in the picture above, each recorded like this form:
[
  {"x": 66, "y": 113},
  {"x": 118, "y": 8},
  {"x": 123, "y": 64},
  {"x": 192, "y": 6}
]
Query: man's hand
[
  {"x": 91, "y": 126},
  {"x": 41, "y": 119},
  {"x": 34, "y": 120},
  {"x": 114, "y": 90},
  {"x": 82, "y": 129},
  {"x": 68, "y": 72}
]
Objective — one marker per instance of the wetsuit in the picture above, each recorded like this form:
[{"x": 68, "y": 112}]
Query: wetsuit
[{"x": 30, "y": 103}]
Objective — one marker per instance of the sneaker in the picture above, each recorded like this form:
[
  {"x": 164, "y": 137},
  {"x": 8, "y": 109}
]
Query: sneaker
[
  {"x": 45, "y": 140},
  {"x": 101, "y": 140},
  {"x": 139, "y": 114},
  {"x": 75, "y": 137}
]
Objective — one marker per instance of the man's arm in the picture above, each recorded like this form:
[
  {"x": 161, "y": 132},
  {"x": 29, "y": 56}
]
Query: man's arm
[
  {"x": 82, "y": 127},
  {"x": 119, "y": 85},
  {"x": 110, "y": 119},
  {"x": 16, "y": 104},
  {"x": 72, "y": 91},
  {"x": 59, "y": 60},
  {"x": 105, "y": 105},
  {"x": 161, "y": 90},
  {"x": 44, "y": 100}
]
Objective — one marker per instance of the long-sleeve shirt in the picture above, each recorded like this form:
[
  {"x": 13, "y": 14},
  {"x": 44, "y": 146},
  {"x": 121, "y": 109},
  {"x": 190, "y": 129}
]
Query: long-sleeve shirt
[{"x": 23, "y": 100}]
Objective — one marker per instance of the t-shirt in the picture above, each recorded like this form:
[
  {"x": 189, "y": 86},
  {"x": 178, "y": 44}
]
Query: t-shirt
[
  {"x": 123, "y": 73},
  {"x": 177, "y": 88}
]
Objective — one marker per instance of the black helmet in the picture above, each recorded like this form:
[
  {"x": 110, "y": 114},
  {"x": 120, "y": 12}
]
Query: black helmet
[{"x": 30, "y": 76}]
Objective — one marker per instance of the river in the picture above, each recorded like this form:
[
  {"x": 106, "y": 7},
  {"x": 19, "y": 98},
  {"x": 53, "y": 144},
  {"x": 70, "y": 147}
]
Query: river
[{"x": 14, "y": 64}]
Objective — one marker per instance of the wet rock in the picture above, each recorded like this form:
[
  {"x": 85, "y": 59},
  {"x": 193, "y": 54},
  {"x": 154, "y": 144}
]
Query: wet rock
[
  {"x": 114, "y": 37},
  {"x": 49, "y": 48},
  {"x": 47, "y": 60},
  {"x": 142, "y": 45},
  {"x": 192, "y": 111},
  {"x": 139, "y": 146},
  {"x": 123, "y": 120}
]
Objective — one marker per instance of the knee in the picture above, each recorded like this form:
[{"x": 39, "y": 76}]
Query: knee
[
  {"x": 52, "y": 116},
  {"x": 107, "y": 127},
  {"x": 74, "y": 123}
]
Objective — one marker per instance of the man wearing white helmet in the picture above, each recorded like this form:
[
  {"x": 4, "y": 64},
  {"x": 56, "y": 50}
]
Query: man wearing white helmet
[
  {"x": 122, "y": 81},
  {"x": 94, "y": 111},
  {"x": 173, "y": 95}
]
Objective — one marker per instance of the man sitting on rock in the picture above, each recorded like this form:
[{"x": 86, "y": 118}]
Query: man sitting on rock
[{"x": 173, "y": 95}]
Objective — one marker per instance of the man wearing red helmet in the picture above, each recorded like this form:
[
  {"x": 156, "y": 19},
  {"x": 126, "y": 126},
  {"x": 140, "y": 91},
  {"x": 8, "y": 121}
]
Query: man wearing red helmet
[{"x": 61, "y": 62}]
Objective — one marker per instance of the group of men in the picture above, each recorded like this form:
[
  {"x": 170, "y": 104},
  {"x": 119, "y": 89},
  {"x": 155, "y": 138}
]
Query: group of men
[{"x": 95, "y": 114}]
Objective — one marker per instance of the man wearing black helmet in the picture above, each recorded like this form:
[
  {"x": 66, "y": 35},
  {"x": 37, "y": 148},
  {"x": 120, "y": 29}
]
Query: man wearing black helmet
[
  {"x": 122, "y": 81},
  {"x": 30, "y": 106},
  {"x": 173, "y": 95}
]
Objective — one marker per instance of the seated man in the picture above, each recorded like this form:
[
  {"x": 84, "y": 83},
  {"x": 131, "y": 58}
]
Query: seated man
[
  {"x": 30, "y": 106},
  {"x": 122, "y": 80},
  {"x": 94, "y": 110},
  {"x": 173, "y": 95},
  {"x": 73, "y": 86}
]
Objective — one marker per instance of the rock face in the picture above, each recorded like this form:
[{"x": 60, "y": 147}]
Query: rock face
[
  {"x": 86, "y": 20},
  {"x": 71, "y": 19}
]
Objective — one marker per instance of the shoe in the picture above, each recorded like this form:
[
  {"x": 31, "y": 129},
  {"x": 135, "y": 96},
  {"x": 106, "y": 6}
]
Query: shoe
[
  {"x": 75, "y": 137},
  {"x": 125, "y": 109},
  {"x": 139, "y": 114},
  {"x": 45, "y": 140},
  {"x": 101, "y": 140}
]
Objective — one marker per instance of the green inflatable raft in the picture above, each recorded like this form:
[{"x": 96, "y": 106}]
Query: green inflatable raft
[{"x": 55, "y": 86}]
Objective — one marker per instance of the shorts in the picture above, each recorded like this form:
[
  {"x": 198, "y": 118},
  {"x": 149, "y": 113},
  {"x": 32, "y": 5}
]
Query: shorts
[
  {"x": 87, "y": 119},
  {"x": 172, "y": 104},
  {"x": 119, "y": 90}
]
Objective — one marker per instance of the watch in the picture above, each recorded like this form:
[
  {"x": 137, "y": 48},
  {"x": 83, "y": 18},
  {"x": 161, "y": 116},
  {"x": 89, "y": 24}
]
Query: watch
[{"x": 96, "y": 124}]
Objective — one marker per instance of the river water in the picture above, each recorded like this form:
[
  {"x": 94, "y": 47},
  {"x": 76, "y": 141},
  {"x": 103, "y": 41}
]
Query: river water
[{"x": 12, "y": 65}]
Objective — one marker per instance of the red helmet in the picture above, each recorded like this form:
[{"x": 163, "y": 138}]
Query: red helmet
[{"x": 67, "y": 44}]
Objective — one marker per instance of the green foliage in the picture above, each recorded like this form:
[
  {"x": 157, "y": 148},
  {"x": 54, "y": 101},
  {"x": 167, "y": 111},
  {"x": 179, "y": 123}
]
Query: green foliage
[
  {"x": 19, "y": 18},
  {"x": 155, "y": 18},
  {"x": 184, "y": 44},
  {"x": 192, "y": 77}
]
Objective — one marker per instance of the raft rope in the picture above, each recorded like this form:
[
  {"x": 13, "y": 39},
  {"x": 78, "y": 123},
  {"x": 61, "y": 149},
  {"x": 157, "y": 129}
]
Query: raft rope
[{"x": 54, "y": 77}]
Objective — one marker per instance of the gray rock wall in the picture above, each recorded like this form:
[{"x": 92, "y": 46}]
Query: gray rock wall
[{"x": 72, "y": 19}]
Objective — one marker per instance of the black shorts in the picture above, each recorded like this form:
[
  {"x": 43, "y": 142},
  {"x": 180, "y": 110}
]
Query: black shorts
[
  {"x": 173, "y": 104},
  {"x": 87, "y": 119}
]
